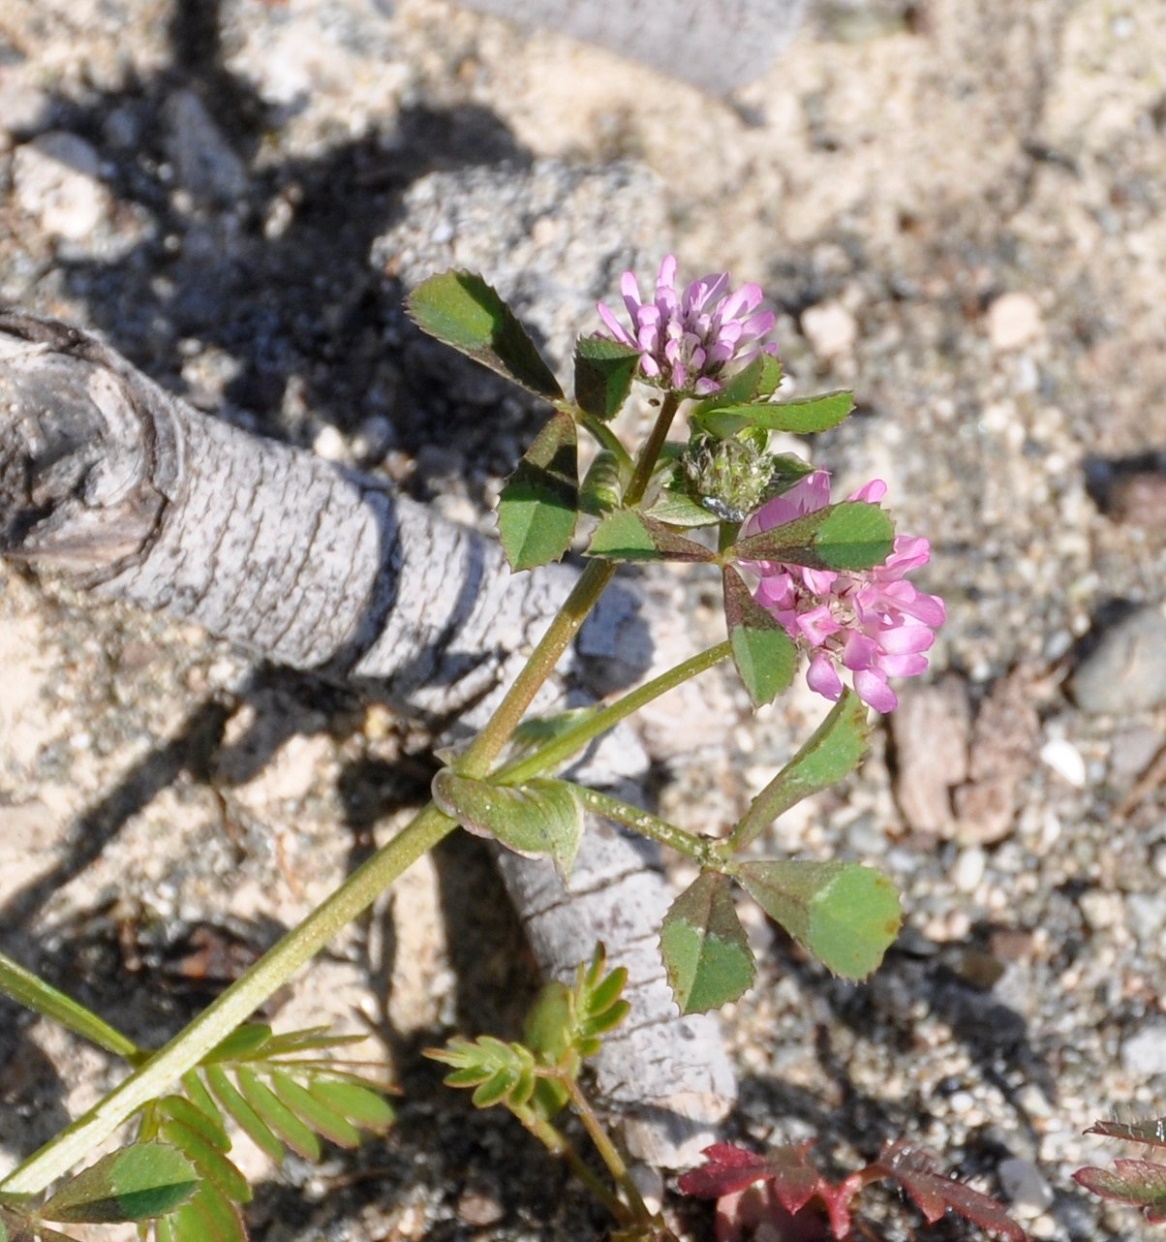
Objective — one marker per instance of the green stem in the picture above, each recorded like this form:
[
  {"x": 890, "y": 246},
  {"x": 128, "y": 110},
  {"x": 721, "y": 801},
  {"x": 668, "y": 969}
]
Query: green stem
[
  {"x": 488, "y": 745},
  {"x": 29, "y": 990},
  {"x": 653, "y": 446},
  {"x": 700, "y": 850},
  {"x": 235, "y": 1005},
  {"x": 572, "y": 740},
  {"x": 608, "y": 1151},
  {"x": 557, "y": 1144}
]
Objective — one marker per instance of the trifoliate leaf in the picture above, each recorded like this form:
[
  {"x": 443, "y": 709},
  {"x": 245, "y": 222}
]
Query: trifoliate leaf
[
  {"x": 832, "y": 753},
  {"x": 846, "y": 915},
  {"x": 462, "y": 310},
  {"x": 705, "y": 951},
  {"x": 629, "y": 536},
  {"x": 763, "y": 652},
  {"x": 540, "y": 817},
  {"x": 850, "y": 535},
  {"x": 133, "y": 1183},
  {"x": 604, "y": 370},
  {"x": 539, "y": 504}
]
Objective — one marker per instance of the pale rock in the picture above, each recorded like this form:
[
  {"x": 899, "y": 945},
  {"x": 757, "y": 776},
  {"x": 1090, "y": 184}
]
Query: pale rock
[
  {"x": 55, "y": 179},
  {"x": 1066, "y": 760},
  {"x": 1014, "y": 320},
  {"x": 1144, "y": 1052},
  {"x": 830, "y": 329}
]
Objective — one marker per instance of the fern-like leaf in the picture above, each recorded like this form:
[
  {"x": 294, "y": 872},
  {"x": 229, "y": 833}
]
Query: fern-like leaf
[
  {"x": 500, "y": 1073},
  {"x": 285, "y": 1092}
]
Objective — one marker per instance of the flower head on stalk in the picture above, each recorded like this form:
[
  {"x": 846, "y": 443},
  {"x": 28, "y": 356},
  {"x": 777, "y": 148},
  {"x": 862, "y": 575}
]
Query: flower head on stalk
[
  {"x": 689, "y": 341},
  {"x": 872, "y": 622}
]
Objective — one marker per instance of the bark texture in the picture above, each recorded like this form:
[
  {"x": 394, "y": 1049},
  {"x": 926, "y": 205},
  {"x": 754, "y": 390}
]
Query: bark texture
[
  {"x": 716, "y": 46},
  {"x": 118, "y": 486}
]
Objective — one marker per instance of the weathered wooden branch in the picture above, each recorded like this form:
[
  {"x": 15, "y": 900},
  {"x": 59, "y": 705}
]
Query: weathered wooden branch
[{"x": 117, "y": 486}]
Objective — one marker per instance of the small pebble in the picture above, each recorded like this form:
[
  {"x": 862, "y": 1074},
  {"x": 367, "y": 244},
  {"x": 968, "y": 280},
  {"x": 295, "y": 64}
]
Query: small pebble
[
  {"x": 969, "y": 869},
  {"x": 1014, "y": 320},
  {"x": 1144, "y": 1052},
  {"x": 55, "y": 178},
  {"x": 1028, "y": 1193},
  {"x": 1126, "y": 671},
  {"x": 830, "y": 329},
  {"x": 1066, "y": 760}
]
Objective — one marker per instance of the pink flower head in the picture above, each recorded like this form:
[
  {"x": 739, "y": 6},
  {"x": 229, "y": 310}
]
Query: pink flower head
[
  {"x": 871, "y": 622},
  {"x": 689, "y": 341}
]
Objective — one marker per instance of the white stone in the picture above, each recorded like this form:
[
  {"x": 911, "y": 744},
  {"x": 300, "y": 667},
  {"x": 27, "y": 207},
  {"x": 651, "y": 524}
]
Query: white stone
[
  {"x": 1066, "y": 760},
  {"x": 1014, "y": 320},
  {"x": 55, "y": 178},
  {"x": 969, "y": 869},
  {"x": 830, "y": 329}
]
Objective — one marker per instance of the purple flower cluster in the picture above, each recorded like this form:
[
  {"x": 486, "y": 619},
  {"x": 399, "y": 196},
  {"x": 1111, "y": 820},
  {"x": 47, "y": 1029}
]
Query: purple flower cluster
[
  {"x": 871, "y": 622},
  {"x": 689, "y": 341}
]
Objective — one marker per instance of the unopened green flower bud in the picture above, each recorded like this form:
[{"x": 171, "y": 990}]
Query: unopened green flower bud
[{"x": 730, "y": 478}]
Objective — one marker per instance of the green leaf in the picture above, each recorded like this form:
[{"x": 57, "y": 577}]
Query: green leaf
[
  {"x": 765, "y": 655},
  {"x": 462, "y": 310},
  {"x": 194, "y": 1118},
  {"x": 834, "y": 751},
  {"x": 360, "y": 1104},
  {"x": 241, "y": 1043},
  {"x": 201, "y": 1098},
  {"x": 602, "y": 487},
  {"x": 540, "y": 817},
  {"x": 314, "y": 1112},
  {"x": 309, "y": 1039},
  {"x": 539, "y": 731},
  {"x": 799, "y": 417},
  {"x": 244, "y": 1116},
  {"x": 705, "y": 951},
  {"x": 851, "y": 535},
  {"x": 499, "y": 1072},
  {"x": 677, "y": 508},
  {"x": 132, "y": 1183},
  {"x": 209, "y": 1217},
  {"x": 703, "y": 944},
  {"x": 626, "y": 535},
  {"x": 214, "y": 1167},
  {"x": 758, "y": 379},
  {"x": 277, "y": 1116},
  {"x": 539, "y": 504},
  {"x": 846, "y": 915},
  {"x": 604, "y": 371}
]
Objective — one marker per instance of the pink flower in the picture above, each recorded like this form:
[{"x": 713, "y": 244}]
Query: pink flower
[
  {"x": 871, "y": 622},
  {"x": 688, "y": 341}
]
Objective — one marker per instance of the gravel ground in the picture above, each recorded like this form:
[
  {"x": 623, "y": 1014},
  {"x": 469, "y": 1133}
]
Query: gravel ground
[{"x": 960, "y": 212}]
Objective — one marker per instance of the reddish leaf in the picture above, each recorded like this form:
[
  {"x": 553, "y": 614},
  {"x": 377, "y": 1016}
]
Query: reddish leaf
[
  {"x": 1139, "y": 1182},
  {"x": 933, "y": 1192},
  {"x": 792, "y": 1180},
  {"x": 1152, "y": 1132}
]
